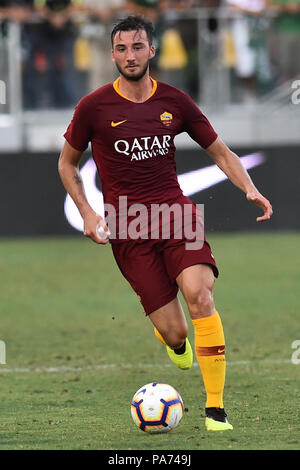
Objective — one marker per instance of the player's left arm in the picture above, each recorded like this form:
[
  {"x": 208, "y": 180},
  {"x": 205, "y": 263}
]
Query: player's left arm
[{"x": 231, "y": 165}]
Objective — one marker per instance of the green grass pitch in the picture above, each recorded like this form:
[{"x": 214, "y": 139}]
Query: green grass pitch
[{"x": 78, "y": 346}]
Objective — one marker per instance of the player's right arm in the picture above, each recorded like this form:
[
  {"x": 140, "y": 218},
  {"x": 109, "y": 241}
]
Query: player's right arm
[{"x": 68, "y": 168}]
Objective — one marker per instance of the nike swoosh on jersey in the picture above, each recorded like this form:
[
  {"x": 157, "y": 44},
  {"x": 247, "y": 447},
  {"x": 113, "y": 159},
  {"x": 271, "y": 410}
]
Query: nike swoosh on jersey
[
  {"x": 191, "y": 183},
  {"x": 115, "y": 124}
]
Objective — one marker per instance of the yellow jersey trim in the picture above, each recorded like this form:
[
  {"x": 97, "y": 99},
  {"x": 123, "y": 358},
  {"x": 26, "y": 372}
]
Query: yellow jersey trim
[{"x": 117, "y": 89}]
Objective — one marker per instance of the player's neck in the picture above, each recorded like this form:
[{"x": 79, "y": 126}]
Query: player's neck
[{"x": 136, "y": 91}]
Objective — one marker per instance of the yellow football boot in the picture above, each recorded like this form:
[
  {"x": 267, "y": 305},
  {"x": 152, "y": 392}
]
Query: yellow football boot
[
  {"x": 216, "y": 420},
  {"x": 183, "y": 360}
]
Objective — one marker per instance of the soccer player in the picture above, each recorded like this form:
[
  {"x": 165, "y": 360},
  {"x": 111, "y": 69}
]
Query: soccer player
[{"x": 131, "y": 125}]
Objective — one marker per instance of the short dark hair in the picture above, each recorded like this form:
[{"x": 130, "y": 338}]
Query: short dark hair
[{"x": 134, "y": 23}]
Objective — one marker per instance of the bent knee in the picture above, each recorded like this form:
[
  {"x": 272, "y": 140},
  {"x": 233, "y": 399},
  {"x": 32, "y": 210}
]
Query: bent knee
[
  {"x": 175, "y": 337},
  {"x": 200, "y": 302}
]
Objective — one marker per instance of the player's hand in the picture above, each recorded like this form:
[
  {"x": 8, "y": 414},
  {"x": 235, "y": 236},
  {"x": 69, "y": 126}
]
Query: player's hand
[
  {"x": 262, "y": 203},
  {"x": 92, "y": 224}
]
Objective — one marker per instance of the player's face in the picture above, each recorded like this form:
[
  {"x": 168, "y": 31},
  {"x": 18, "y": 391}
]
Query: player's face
[{"x": 131, "y": 53}]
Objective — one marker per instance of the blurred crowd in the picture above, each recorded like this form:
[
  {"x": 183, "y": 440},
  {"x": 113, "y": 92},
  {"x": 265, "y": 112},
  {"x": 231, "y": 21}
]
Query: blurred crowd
[{"x": 66, "y": 50}]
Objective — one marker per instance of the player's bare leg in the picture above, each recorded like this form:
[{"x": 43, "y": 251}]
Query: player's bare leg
[
  {"x": 171, "y": 329},
  {"x": 196, "y": 284}
]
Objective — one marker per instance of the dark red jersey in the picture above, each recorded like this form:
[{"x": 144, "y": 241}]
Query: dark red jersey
[{"x": 133, "y": 143}]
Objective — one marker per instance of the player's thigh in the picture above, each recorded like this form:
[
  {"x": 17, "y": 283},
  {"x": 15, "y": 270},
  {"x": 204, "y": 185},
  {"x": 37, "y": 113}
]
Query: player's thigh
[
  {"x": 194, "y": 277},
  {"x": 143, "y": 267},
  {"x": 196, "y": 283},
  {"x": 194, "y": 272},
  {"x": 178, "y": 257}
]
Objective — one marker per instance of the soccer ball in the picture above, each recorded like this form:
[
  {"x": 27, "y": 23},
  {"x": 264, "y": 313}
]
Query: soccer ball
[{"x": 156, "y": 407}]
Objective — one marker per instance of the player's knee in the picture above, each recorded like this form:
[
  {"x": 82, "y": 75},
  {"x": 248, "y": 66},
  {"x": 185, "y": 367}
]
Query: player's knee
[
  {"x": 176, "y": 337},
  {"x": 176, "y": 343},
  {"x": 200, "y": 302}
]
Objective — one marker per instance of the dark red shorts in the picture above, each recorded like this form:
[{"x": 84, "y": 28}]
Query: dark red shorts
[{"x": 152, "y": 266}]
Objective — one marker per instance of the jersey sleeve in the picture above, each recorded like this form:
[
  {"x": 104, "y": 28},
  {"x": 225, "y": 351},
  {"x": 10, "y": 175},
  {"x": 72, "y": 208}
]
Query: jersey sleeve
[
  {"x": 195, "y": 123},
  {"x": 79, "y": 131}
]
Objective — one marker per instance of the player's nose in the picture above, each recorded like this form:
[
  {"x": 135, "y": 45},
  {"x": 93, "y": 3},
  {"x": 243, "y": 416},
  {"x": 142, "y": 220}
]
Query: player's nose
[{"x": 130, "y": 55}]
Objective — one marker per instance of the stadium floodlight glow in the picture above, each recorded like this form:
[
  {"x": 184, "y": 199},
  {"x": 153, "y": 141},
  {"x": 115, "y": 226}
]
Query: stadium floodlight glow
[{"x": 191, "y": 183}]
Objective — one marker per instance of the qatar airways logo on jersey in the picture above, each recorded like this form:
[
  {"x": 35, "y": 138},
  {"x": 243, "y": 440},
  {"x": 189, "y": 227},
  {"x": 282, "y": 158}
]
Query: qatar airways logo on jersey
[
  {"x": 143, "y": 148},
  {"x": 161, "y": 216}
]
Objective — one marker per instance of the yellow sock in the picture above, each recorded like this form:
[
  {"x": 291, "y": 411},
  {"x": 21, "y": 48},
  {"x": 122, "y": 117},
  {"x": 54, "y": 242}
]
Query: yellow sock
[
  {"x": 159, "y": 336},
  {"x": 210, "y": 352}
]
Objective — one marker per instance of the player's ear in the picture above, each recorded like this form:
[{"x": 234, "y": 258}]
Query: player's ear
[{"x": 152, "y": 52}]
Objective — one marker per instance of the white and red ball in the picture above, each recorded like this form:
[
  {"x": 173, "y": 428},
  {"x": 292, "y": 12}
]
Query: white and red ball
[{"x": 157, "y": 407}]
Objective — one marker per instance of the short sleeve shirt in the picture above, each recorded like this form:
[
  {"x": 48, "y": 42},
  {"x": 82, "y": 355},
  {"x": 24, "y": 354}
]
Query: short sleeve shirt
[{"x": 133, "y": 143}]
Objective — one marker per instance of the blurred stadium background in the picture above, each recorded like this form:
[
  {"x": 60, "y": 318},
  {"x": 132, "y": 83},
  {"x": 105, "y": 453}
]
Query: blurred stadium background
[{"x": 240, "y": 62}]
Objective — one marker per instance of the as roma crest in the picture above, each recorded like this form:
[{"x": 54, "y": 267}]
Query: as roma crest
[{"x": 166, "y": 118}]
